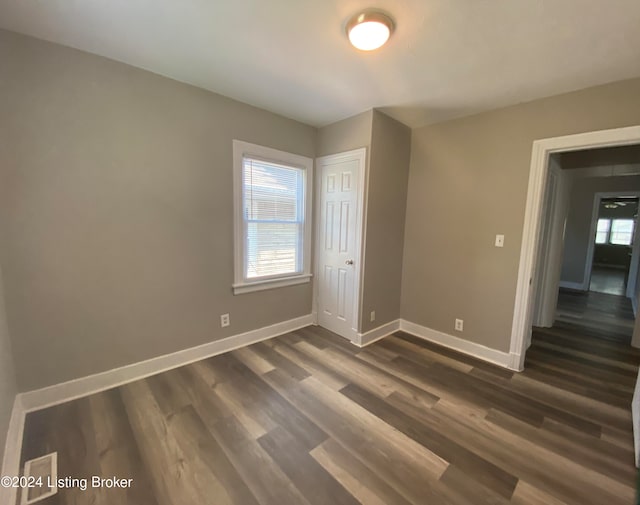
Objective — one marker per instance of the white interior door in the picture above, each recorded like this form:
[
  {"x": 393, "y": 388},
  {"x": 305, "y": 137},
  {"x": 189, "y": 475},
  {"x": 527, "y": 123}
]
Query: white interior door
[
  {"x": 338, "y": 242},
  {"x": 551, "y": 245}
]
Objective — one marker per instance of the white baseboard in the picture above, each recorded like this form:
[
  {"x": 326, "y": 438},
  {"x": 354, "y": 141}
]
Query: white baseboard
[
  {"x": 503, "y": 359},
  {"x": 369, "y": 337},
  {"x": 84, "y": 386},
  {"x": 515, "y": 363},
  {"x": 12, "y": 450},
  {"x": 77, "y": 388},
  {"x": 578, "y": 286}
]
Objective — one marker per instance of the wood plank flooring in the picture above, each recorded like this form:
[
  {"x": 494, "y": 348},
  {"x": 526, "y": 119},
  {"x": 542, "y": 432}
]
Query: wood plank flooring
[
  {"x": 596, "y": 314},
  {"x": 309, "y": 419},
  {"x": 611, "y": 281}
]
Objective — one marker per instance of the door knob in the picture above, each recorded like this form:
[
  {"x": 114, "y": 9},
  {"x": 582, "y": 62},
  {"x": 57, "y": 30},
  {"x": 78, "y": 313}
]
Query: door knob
[{"x": 348, "y": 262}]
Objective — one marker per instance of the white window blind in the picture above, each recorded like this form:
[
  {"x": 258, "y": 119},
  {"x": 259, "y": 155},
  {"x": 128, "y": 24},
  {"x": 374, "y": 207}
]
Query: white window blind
[
  {"x": 602, "y": 232},
  {"x": 274, "y": 218},
  {"x": 622, "y": 231},
  {"x": 615, "y": 231}
]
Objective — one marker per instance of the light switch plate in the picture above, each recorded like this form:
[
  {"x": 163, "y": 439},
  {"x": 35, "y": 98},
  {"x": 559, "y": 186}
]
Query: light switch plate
[{"x": 499, "y": 240}]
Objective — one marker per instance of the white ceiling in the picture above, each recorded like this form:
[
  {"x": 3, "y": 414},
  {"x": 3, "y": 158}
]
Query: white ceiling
[{"x": 447, "y": 58}]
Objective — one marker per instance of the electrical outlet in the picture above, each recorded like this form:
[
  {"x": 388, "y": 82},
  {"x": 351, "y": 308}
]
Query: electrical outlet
[
  {"x": 224, "y": 320},
  {"x": 459, "y": 325},
  {"x": 373, "y": 315}
]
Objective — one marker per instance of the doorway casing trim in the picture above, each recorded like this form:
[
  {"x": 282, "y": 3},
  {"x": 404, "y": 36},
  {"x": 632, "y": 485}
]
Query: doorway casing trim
[{"x": 540, "y": 153}]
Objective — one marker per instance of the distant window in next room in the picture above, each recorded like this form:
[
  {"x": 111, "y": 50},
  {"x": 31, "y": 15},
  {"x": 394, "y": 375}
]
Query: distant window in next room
[{"x": 615, "y": 231}]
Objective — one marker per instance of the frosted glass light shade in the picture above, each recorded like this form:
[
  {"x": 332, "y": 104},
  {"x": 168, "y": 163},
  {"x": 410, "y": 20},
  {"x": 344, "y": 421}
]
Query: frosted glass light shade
[{"x": 369, "y": 30}]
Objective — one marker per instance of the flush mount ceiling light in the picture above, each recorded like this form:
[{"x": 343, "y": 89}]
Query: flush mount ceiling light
[{"x": 369, "y": 29}]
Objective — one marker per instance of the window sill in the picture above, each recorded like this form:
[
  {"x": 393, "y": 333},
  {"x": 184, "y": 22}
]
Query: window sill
[{"x": 250, "y": 287}]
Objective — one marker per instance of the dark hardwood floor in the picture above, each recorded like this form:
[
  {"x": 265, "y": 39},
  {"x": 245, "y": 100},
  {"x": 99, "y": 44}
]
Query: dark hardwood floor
[
  {"x": 612, "y": 281},
  {"x": 307, "y": 418},
  {"x": 596, "y": 314}
]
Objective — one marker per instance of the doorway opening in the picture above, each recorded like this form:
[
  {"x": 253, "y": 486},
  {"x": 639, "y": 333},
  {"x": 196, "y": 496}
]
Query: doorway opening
[
  {"x": 535, "y": 255},
  {"x": 587, "y": 243}
]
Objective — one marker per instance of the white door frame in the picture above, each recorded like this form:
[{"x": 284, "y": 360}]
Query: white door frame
[
  {"x": 550, "y": 245},
  {"x": 632, "y": 287},
  {"x": 540, "y": 153},
  {"x": 361, "y": 156},
  {"x": 633, "y": 268}
]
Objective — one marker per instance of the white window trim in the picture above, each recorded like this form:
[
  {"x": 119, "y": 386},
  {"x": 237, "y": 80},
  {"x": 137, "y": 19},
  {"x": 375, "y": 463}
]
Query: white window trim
[{"x": 240, "y": 150}]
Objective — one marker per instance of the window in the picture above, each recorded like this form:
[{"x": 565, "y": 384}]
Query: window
[
  {"x": 272, "y": 218},
  {"x": 602, "y": 232},
  {"x": 621, "y": 232},
  {"x": 615, "y": 231}
]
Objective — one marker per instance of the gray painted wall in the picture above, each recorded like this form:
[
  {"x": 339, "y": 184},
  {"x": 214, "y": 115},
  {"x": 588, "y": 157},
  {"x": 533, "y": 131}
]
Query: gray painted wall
[
  {"x": 468, "y": 182},
  {"x": 578, "y": 229},
  {"x": 346, "y": 135},
  {"x": 386, "y": 212},
  {"x": 7, "y": 377},
  {"x": 116, "y": 212}
]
